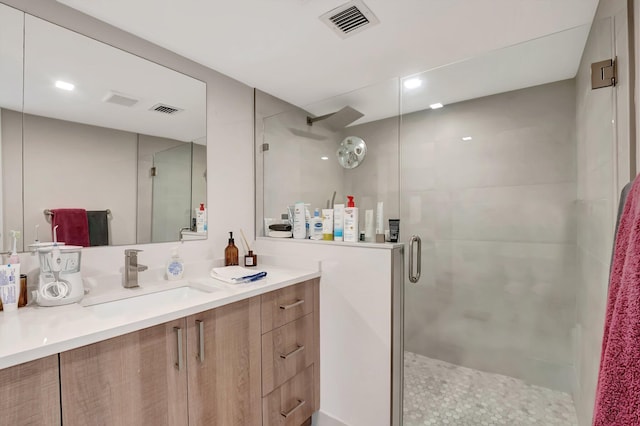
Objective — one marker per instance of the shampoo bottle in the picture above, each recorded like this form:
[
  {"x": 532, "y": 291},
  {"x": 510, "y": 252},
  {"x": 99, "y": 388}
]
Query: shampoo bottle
[
  {"x": 231, "y": 252},
  {"x": 351, "y": 233},
  {"x": 175, "y": 266}
]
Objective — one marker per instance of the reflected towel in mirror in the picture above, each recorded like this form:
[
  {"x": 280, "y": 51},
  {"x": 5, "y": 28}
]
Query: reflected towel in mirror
[
  {"x": 73, "y": 227},
  {"x": 98, "y": 227}
]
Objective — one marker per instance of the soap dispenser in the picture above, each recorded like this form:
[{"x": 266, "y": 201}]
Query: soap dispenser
[
  {"x": 231, "y": 252},
  {"x": 175, "y": 266}
]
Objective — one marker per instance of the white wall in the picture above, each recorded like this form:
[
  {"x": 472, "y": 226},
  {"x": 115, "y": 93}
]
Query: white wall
[{"x": 229, "y": 145}]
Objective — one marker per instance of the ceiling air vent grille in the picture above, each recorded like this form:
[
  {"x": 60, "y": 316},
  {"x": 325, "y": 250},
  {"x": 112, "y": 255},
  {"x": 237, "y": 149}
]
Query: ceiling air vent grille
[
  {"x": 350, "y": 18},
  {"x": 165, "y": 109}
]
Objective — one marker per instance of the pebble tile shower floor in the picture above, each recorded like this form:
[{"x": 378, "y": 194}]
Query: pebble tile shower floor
[{"x": 439, "y": 393}]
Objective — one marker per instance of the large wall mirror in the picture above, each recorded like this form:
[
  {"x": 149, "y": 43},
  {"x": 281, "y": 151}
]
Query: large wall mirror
[{"x": 92, "y": 127}]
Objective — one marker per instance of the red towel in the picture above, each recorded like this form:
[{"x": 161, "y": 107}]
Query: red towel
[
  {"x": 73, "y": 226},
  {"x": 618, "y": 392}
]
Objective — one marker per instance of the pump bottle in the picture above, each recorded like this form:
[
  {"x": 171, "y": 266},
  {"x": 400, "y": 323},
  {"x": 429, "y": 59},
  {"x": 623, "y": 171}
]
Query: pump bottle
[
  {"x": 351, "y": 233},
  {"x": 231, "y": 252}
]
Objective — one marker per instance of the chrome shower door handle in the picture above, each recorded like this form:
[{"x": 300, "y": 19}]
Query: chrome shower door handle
[{"x": 415, "y": 241}]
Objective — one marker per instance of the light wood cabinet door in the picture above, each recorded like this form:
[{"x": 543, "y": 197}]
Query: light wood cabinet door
[
  {"x": 224, "y": 365},
  {"x": 134, "y": 379},
  {"x": 30, "y": 393}
]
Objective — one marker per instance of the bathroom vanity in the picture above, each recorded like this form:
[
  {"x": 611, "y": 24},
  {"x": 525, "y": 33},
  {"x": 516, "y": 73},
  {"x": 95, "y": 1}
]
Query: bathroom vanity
[{"x": 234, "y": 356}]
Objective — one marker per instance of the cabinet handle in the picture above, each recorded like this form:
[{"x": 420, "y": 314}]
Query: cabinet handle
[
  {"x": 200, "y": 340},
  {"x": 300, "y": 403},
  {"x": 299, "y": 348},
  {"x": 292, "y": 305},
  {"x": 179, "y": 336}
]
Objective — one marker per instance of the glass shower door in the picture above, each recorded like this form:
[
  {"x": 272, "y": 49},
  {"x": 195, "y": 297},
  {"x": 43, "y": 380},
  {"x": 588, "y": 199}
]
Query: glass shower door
[
  {"x": 171, "y": 193},
  {"x": 488, "y": 182}
]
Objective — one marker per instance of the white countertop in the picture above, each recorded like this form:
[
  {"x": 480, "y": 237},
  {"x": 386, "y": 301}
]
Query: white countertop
[{"x": 35, "y": 332}]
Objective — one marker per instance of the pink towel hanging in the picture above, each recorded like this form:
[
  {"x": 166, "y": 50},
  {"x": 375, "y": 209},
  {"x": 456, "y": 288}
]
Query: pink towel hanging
[
  {"x": 73, "y": 227},
  {"x": 618, "y": 391}
]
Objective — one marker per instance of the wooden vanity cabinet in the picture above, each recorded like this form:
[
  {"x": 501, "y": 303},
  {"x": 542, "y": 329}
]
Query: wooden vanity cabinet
[
  {"x": 291, "y": 354},
  {"x": 30, "y": 394},
  {"x": 250, "y": 363},
  {"x": 223, "y": 347},
  {"x": 139, "y": 378},
  {"x": 143, "y": 378}
]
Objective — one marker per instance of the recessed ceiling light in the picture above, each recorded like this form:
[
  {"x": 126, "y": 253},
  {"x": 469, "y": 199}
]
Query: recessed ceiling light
[
  {"x": 467, "y": 138},
  {"x": 324, "y": 158},
  {"x": 64, "y": 85},
  {"x": 436, "y": 106},
  {"x": 412, "y": 83}
]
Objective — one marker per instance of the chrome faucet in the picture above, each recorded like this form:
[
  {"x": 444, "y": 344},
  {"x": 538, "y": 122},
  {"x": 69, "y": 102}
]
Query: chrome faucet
[{"x": 131, "y": 268}]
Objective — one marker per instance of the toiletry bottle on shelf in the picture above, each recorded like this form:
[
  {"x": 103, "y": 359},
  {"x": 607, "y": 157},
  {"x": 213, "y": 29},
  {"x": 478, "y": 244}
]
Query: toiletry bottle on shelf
[
  {"x": 316, "y": 225},
  {"x": 338, "y": 222},
  {"x": 201, "y": 219},
  {"x": 327, "y": 224},
  {"x": 231, "y": 252},
  {"x": 380, "y": 223},
  {"x": 307, "y": 221},
  {"x": 175, "y": 266},
  {"x": 351, "y": 232},
  {"x": 299, "y": 225},
  {"x": 369, "y": 235}
]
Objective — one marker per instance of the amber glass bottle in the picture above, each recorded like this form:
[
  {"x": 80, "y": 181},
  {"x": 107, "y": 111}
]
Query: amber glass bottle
[{"x": 231, "y": 252}]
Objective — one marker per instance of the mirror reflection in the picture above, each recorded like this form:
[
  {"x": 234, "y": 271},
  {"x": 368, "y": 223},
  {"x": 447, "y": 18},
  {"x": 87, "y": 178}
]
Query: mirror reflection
[{"x": 107, "y": 132}]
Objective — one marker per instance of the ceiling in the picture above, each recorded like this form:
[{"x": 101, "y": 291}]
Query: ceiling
[
  {"x": 282, "y": 48},
  {"x": 96, "y": 69},
  {"x": 53, "y": 53}
]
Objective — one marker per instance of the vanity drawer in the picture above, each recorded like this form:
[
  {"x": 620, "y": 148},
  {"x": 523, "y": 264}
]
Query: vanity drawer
[
  {"x": 287, "y": 304},
  {"x": 292, "y": 403},
  {"x": 286, "y": 351}
]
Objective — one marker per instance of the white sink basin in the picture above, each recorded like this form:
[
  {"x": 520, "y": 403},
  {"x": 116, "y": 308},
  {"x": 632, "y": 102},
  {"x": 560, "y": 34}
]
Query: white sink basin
[
  {"x": 147, "y": 294},
  {"x": 144, "y": 301}
]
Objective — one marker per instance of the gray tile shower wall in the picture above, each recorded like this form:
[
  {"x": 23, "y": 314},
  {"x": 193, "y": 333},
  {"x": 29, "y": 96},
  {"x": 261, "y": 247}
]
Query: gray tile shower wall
[{"x": 497, "y": 219}]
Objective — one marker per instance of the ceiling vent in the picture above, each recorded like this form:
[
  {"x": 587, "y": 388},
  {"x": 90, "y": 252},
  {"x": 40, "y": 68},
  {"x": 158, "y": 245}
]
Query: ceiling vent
[
  {"x": 165, "y": 109},
  {"x": 117, "y": 98},
  {"x": 350, "y": 18}
]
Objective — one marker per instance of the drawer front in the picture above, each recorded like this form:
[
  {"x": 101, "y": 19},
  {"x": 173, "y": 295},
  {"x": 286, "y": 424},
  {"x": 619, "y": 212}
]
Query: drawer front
[
  {"x": 290, "y": 404},
  {"x": 286, "y": 351},
  {"x": 285, "y": 305}
]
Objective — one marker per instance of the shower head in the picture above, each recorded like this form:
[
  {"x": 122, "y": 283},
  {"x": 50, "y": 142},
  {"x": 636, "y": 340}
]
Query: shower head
[
  {"x": 308, "y": 135},
  {"x": 338, "y": 120}
]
